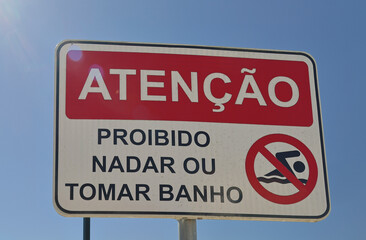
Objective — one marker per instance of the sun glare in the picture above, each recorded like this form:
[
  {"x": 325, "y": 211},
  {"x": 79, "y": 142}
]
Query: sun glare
[{"x": 12, "y": 36}]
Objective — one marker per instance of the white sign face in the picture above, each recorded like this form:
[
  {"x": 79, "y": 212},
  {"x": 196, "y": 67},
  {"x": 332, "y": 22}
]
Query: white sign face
[{"x": 148, "y": 130}]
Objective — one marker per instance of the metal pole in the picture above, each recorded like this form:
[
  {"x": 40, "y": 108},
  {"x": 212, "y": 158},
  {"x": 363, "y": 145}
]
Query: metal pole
[
  {"x": 187, "y": 229},
  {"x": 86, "y": 227}
]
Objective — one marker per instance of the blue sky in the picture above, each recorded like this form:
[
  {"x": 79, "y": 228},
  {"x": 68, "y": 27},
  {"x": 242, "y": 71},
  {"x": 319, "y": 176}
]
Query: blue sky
[{"x": 333, "y": 32}]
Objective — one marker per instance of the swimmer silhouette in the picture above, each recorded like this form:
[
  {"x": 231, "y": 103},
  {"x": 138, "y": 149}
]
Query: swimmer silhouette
[{"x": 298, "y": 166}]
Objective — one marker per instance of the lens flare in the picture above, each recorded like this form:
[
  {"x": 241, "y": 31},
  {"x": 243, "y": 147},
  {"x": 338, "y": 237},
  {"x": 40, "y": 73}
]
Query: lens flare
[{"x": 75, "y": 53}]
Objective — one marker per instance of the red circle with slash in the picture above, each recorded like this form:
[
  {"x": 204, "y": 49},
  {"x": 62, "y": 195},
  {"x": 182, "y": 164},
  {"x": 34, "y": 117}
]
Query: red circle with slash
[{"x": 260, "y": 147}]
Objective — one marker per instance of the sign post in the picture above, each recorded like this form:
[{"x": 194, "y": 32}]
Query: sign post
[
  {"x": 86, "y": 228},
  {"x": 187, "y": 132},
  {"x": 187, "y": 229}
]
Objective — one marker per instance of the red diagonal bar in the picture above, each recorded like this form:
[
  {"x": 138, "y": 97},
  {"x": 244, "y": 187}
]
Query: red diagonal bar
[{"x": 285, "y": 172}]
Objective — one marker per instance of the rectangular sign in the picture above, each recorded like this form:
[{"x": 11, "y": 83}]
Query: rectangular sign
[{"x": 151, "y": 130}]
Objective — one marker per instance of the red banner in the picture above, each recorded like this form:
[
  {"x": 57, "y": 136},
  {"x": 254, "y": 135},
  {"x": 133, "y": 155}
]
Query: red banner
[{"x": 172, "y": 87}]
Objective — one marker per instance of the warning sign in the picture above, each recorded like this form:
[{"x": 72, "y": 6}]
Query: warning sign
[{"x": 152, "y": 130}]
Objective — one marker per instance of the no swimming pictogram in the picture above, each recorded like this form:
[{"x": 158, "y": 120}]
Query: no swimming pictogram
[{"x": 278, "y": 159}]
